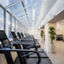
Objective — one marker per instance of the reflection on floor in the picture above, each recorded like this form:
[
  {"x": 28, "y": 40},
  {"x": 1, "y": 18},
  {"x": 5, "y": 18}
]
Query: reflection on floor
[{"x": 58, "y": 57}]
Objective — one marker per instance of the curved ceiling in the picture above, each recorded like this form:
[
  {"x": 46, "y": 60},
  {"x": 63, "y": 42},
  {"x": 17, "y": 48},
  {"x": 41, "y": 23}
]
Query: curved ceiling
[
  {"x": 23, "y": 10},
  {"x": 33, "y": 13}
]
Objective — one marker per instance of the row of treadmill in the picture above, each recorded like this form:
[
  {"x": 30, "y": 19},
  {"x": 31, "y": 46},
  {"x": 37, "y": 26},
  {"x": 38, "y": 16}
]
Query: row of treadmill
[{"x": 26, "y": 47}]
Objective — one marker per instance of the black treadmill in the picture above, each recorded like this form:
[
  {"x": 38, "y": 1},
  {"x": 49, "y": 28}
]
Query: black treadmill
[
  {"x": 7, "y": 49},
  {"x": 27, "y": 44}
]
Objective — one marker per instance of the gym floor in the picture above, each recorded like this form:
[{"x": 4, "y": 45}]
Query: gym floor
[{"x": 58, "y": 56}]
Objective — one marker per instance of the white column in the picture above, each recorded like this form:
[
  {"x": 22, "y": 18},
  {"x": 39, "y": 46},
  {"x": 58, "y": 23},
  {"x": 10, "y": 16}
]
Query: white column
[{"x": 47, "y": 39}]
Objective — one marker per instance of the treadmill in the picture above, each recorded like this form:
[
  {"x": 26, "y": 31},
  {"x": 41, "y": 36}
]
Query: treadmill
[
  {"x": 27, "y": 44},
  {"x": 7, "y": 48}
]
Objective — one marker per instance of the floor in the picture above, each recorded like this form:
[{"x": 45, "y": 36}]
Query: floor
[{"x": 58, "y": 56}]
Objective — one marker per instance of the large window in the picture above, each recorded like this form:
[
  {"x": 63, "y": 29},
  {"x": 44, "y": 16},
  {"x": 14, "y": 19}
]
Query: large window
[
  {"x": 16, "y": 26},
  {"x": 8, "y": 25},
  {"x": 20, "y": 27},
  {"x": 1, "y": 18},
  {"x": 13, "y": 24}
]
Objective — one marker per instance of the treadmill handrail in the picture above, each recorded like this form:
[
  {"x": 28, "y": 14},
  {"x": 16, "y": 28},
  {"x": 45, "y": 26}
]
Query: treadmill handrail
[{"x": 17, "y": 50}]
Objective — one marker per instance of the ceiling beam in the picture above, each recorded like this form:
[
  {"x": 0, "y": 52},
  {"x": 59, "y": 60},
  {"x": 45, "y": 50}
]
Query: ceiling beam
[
  {"x": 25, "y": 12},
  {"x": 23, "y": 8},
  {"x": 12, "y": 4}
]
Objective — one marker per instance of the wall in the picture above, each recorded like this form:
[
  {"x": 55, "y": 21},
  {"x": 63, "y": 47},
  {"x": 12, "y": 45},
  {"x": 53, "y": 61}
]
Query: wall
[{"x": 60, "y": 27}]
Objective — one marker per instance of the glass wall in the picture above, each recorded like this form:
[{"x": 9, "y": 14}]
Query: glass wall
[
  {"x": 1, "y": 18},
  {"x": 13, "y": 24},
  {"x": 18, "y": 26},
  {"x": 8, "y": 25}
]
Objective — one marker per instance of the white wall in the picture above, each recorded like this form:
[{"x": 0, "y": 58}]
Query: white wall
[{"x": 60, "y": 27}]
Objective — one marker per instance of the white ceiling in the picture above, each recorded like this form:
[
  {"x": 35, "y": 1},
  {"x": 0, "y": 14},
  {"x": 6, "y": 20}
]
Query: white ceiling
[
  {"x": 48, "y": 10},
  {"x": 58, "y": 6},
  {"x": 45, "y": 8}
]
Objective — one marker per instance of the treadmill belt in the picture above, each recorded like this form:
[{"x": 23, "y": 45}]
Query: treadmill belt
[
  {"x": 43, "y": 61},
  {"x": 41, "y": 55},
  {"x": 34, "y": 60}
]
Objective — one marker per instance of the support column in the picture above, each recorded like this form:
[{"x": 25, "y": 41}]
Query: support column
[
  {"x": 47, "y": 45},
  {"x": 47, "y": 39}
]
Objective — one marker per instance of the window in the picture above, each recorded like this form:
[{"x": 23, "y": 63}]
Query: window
[
  {"x": 1, "y": 18},
  {"x": 13, "y": 24},
  {"x": 8, "y": 25},
  {"x": 16, "y": 25}
]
